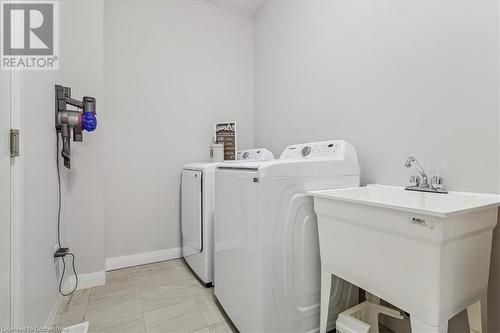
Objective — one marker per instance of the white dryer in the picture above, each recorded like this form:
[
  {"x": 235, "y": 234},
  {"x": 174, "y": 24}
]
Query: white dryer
[
  {"x": 197, "y": 207},
  {"x": 267, "y": 264}
]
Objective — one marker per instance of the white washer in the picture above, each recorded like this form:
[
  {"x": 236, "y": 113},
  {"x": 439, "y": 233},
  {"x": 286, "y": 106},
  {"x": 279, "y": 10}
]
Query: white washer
[
  {"x": 267, "y": 264},
  {"x": 197, "y": 203}
]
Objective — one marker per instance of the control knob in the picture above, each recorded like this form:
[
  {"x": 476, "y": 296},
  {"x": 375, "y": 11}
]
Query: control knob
[{"x": 306, "y": 151}]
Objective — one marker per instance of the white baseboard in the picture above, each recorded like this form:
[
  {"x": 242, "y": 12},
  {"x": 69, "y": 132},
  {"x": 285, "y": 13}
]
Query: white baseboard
[
  {"x": 85, "y": 281},
  {"x": 142, "y": 258},
  {"x": 56, "y": 307}
]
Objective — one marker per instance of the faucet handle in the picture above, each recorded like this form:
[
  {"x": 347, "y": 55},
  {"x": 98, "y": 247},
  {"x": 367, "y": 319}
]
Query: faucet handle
[
  {"x": 437, "y": 183},
  {"x": 414, "y": 181}
]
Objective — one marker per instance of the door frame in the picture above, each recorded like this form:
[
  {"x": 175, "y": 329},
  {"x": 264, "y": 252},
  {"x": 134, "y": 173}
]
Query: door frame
[{"x": 16, "y": 220}]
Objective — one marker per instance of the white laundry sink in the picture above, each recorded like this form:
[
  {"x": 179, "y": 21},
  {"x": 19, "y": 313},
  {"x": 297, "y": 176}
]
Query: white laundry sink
[{"x": 427, "y": 253}]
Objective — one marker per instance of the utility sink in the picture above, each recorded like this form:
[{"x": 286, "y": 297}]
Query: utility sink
[
  {"x": 427, "y": 253},
  {"x": 397, "y": 198}
]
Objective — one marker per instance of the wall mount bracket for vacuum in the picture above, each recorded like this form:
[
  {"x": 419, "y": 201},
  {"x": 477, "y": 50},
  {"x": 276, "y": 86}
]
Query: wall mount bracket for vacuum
[{"x": 75, "y": 120}]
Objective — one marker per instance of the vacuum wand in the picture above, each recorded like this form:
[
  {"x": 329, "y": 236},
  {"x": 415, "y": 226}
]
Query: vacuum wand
[{"x": 76, "y": 120}]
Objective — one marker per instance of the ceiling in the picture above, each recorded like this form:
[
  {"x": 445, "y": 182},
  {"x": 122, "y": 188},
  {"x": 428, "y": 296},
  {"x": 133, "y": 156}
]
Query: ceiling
[{"x": 250, "y": 6}]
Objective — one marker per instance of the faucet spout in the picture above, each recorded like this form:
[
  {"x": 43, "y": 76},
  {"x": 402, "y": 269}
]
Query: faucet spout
[{"x": 413, "y": 161}]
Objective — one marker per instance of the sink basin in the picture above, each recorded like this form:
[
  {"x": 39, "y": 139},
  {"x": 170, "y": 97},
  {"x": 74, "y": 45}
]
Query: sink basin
[
  {"x": 397, "y": 198},
  {"x": 426, "y": 253}
]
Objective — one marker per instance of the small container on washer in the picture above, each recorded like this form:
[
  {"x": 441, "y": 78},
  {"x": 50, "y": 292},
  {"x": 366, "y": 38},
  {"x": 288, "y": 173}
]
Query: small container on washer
[{"x": 217, "y": 152}]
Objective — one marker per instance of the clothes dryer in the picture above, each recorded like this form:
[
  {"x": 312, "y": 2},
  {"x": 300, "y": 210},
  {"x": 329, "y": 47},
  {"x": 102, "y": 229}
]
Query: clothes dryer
[{"x": 197, "y": 209}]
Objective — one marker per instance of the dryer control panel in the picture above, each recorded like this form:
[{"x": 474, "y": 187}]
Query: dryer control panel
[
  {"x": 314, "y": 150},
  {"x": 258, "y": 154}
]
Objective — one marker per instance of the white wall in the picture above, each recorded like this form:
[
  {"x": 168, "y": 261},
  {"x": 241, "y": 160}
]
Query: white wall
[
  {"x": 39, "y": 195},
  {"x": 394, "y": 79},
  {"x": 172, "y": 68},
  {"x": 80, "y": 68}
]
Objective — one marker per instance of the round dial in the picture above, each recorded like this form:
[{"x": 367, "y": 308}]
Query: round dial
[
  {"x": 245, "y": 155},
  {"x": 306, "y": 151}
]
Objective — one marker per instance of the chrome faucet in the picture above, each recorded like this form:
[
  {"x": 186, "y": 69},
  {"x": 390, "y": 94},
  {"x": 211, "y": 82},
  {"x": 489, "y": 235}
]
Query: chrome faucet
[
  {"x": 413, "y": 161},
  {"x": 436, "y": 185}
]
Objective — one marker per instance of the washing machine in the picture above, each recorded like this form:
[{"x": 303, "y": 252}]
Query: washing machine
[
  {"x": 197, "y": 207},
  {"x": 267, "y": 261}
]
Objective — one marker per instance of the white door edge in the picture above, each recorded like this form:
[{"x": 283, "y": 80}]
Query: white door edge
[{"x": 16, "y": 306}]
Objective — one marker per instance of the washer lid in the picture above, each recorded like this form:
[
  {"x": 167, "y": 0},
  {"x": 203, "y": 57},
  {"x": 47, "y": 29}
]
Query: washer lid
[
  {"x": 202, "y": 166},
  {"x": 244, "y": 156},
  {"x": 244, "y": 166}
]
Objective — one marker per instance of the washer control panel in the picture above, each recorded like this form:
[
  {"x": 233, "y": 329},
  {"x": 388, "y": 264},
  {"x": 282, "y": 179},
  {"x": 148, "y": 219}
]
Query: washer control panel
[
  {"x": 306, "y": 151},
  {"x": 314, "y": 150},
  {"x": 259, "y": 154}
]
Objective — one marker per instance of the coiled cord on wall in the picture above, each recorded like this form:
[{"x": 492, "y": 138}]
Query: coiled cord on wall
[
  {"x": 62, "y": 275},
  {"x": 59, "y": 227}
]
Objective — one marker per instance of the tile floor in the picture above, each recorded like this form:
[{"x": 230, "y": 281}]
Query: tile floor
[{"x": 162, "y": 297}]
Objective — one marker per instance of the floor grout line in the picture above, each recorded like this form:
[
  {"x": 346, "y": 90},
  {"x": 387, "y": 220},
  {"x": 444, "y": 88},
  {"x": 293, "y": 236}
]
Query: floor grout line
[
  {"x": 175, "y": 281},
  {"x": 87, "y": 305},
  {"x": 142, "y": 304}
]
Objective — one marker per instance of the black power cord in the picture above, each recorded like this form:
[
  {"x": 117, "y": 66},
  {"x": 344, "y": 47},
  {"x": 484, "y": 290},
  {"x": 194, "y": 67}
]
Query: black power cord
[
  {"x": 62, "y": 275},
  {"x": 62, "y": 252}
]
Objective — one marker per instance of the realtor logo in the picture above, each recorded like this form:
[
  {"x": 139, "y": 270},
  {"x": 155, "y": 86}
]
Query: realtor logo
[{"x": 29, "y": 35}]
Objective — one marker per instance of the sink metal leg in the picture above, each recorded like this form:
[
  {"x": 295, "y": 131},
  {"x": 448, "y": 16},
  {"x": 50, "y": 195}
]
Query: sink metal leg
[
  {"x": 477, "y": 316},
  {"x": 418, "y": 326},
  {"x": 326, "y": 285}
]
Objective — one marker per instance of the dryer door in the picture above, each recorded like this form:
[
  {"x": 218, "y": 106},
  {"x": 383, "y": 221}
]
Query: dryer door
[{"x": 191, "y": 211}]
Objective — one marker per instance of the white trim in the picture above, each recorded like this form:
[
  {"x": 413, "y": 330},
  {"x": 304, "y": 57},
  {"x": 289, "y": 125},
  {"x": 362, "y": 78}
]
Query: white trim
[
  {"x": 17, "y": 214},
  {"x": 142, "y": 258},
  {"x": 88, "y": 280},
  {"x": 58, "y": 304}
]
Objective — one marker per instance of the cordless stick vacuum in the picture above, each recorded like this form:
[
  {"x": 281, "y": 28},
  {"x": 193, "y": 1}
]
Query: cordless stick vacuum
[
  {"x": 76, "y": 120},
  {"x": 83, "y": 118}
]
